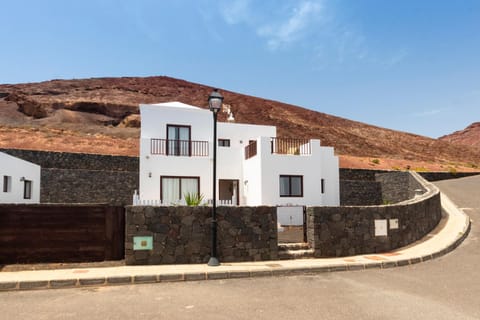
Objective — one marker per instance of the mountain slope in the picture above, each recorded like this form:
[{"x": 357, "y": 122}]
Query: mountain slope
[
  {"x": 100, "y": 116},
  {"x": 470, "y": 136}
]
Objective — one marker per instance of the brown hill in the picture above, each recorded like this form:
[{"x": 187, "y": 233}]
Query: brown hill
[
  {"x": 470, "y": 136},
  {"x": 101, "y": 116}
]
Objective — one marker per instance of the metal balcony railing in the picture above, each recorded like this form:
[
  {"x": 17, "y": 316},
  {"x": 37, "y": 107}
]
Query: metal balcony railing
[
  {"x": 185, "y": 148},
  {"x": 291, "y": 146}
]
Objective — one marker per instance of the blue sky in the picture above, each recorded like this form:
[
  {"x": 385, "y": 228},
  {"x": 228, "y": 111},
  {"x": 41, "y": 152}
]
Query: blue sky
[{"x": 409, "y": 65}]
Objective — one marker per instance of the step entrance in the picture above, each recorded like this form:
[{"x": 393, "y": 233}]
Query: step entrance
[
  {"x": 300, "y": 250},
  {"x": 292, "y": 233},
  {"x": 292, "y": 224}
]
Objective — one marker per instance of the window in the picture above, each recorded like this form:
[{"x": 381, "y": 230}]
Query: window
[
  {"x": 7, "y": 183},
  {"x": 291, "y": 186},
  {"x": 322, "y": 186},
  {"x": 173, "y": 189},
  {"x": 224, "y": 142},
  {"x": 178, "y": 140},
  {"x": 27, "y": 189}
]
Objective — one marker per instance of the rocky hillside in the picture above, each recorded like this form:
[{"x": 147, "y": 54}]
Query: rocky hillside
[
  {"x": 470, "y": 136},
  {"x": 101, "y": 116}
]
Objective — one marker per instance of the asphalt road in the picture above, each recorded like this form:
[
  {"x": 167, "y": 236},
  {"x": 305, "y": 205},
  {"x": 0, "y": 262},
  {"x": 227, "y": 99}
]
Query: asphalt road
[{"x": 445, "y": 288}]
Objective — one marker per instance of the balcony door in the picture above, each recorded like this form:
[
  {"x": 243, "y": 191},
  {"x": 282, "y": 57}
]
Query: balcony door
[{"x": 178, "y": 140}]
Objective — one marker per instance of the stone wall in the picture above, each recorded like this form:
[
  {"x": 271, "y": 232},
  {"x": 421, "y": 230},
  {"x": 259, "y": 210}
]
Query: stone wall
[
  {"x": 183, "y": 234},
  {"x": 350, "y": 230},
  {"x": 359, "y": 174},
  {"x": 376, "y": 187},
  {"x": 398, "y": 186},
  {"x": 87, "y": 186},
  {"x": 358, "y": 192},
  {"x": 436, "y": 176},
  {"x": 67, "y": 160},
  {"x": 83, "y": 178}
]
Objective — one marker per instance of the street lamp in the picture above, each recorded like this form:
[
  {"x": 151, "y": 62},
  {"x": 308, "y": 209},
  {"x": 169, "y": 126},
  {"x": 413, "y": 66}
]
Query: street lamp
[{"x": 214, "y": 103}]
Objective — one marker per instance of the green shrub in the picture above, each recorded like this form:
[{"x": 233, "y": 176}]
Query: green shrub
[
  {"x": 193, "y": 199},
  {"x": 376, "y": 161}
]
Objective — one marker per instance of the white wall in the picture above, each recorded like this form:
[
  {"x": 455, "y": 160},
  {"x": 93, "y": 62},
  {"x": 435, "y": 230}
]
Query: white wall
[
  {"x": 321, "y": 163},
  {"x": 154, "y": 125},
  {"x": 229, "y": 159},
  {"x": 258, "y": 176},
  {"x": 330, "y": 172},
  {"x": 17, "y": 169}
]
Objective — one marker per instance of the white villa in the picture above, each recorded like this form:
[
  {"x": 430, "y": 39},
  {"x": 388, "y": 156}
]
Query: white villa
[
  {"x": 254, "y": 167},
  {"x": 20, "y": 180}
]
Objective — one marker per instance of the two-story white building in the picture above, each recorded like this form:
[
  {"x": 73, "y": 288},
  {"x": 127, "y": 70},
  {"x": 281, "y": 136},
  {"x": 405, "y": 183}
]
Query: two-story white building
[
  {"x": 254, "y": 167},
  {"x": 20, "y": 180}
]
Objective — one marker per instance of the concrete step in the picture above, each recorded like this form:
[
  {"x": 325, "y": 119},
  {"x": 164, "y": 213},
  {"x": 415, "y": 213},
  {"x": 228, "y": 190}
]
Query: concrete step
[
  {"x": 300, "y": 250},
  {"x": 295, "y": 254},
  {"x": 293, "y": 246}
]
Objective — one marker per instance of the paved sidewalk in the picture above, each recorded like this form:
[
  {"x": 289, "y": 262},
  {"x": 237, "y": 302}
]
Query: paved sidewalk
[{"x": 451, "y": 231}]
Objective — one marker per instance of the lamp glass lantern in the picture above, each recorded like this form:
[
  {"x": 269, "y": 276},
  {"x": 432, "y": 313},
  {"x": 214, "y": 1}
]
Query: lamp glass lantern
[{"x": 215, "y": 101}]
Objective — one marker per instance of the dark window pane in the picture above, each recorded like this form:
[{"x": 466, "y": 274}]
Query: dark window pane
[
  {"x": 284, "y": 186},
  {"x": 296, "y": 186}
]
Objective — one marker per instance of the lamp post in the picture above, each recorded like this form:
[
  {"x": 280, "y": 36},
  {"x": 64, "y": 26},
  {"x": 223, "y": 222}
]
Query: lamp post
[{"x": 214, "y": 103}]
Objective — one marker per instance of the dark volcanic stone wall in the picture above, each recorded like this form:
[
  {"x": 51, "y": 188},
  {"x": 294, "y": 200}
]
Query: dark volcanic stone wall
[
  {"x": 83, "y": 178},
  {"x": 183, "y": 234},
  {"x": 436, "y": 176},
  {"x": 87, "y": 186},
  {"x": 66, "y": 160},
  {"x": 350, "y": 230},
  {"x": 357, "y": 192}
]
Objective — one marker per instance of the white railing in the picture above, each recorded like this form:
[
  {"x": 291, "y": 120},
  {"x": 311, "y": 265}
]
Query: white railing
[{"x": 137, "y": 201}]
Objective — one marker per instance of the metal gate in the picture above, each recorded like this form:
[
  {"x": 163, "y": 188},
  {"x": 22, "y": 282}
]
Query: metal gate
[{"x": 292, "y": 224}]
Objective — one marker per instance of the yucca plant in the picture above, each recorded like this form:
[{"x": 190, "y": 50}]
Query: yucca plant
[{"x": 193, "y": 198}]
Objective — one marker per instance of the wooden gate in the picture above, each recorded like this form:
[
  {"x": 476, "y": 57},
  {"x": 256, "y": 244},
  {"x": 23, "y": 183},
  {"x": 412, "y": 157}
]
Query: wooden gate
[{"x": 61, "y": 233}]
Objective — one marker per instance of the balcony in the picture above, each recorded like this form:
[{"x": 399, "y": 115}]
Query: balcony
[
  {"x": 289, "y": 146},
  {"x": 179, "y": 148},
  {"x": 283, "y": 146}
]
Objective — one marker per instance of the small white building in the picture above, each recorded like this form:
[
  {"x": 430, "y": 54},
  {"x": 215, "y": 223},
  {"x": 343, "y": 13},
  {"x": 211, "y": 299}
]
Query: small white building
[
  {"x": 20, "y": 180},
  {"x": 254, "y": 167}
]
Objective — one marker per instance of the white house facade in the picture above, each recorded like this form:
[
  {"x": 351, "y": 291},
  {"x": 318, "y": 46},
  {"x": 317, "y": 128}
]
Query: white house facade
[
  {"x": 254, "y": 167},
  {"x": 20, "y": 180}
]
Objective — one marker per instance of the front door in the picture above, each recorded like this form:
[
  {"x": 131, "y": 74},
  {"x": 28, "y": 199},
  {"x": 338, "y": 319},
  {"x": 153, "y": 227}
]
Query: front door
[{"x": 228, "y": 191}]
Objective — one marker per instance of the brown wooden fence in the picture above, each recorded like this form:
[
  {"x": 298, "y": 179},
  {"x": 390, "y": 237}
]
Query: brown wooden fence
[{"x": 61, "y": 233}]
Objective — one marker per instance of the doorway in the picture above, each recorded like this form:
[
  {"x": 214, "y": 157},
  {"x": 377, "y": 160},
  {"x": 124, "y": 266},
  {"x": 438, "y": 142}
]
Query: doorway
[
  {"x": 228, "y": 191},
  {"x": 292, "y": 224}
]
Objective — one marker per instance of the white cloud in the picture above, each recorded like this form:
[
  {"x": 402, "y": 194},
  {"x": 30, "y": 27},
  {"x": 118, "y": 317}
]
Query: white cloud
[
  {"x": 237, "y": 11},
  {"x": 277, "y": 22},
  {"x": 293, "y": 27}
]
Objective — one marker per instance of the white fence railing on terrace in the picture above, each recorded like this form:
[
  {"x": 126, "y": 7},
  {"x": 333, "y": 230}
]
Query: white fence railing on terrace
[{"x": 137, "y": 201}]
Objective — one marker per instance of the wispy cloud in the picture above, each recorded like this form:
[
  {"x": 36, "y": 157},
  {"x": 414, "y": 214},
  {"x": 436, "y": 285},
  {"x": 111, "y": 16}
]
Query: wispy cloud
[
  {"x": 326, "y": 35},
  {"x": 293, "y": 27},
  {"x": 427, "y": 113},
  {"x": 237, "y": 11},
  {"x": 278, "y": 23}
]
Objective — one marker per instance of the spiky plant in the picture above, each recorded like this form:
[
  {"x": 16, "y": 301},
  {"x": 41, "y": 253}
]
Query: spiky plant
[{"x": 193, "y": 198}]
